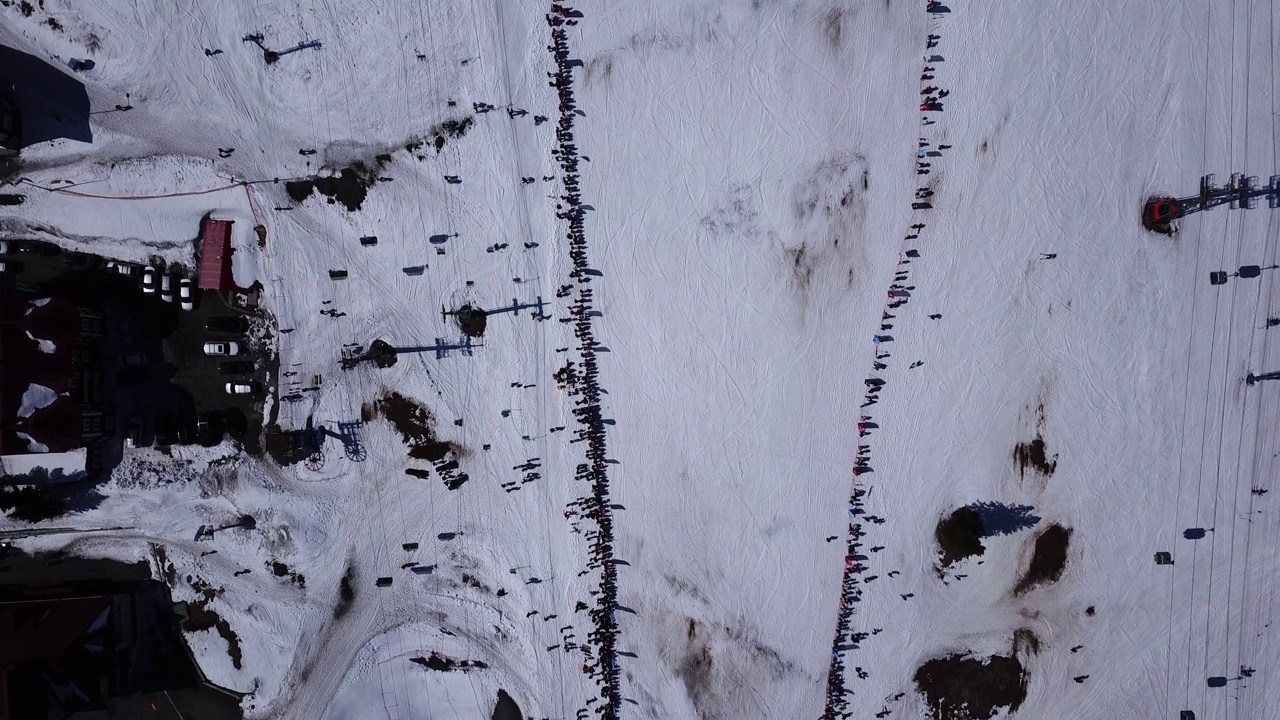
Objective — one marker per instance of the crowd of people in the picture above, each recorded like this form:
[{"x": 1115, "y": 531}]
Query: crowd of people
[
  {"x": 848, "y": 639},
  {"x": 582, "y": 383}
]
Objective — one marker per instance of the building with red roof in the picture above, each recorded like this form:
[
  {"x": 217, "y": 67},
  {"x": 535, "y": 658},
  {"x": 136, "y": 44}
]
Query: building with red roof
[{"x": 215, "y": 255}]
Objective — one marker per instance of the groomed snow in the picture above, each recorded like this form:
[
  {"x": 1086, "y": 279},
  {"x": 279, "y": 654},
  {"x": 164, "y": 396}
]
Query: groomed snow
[{"x": 751, "y": 172}]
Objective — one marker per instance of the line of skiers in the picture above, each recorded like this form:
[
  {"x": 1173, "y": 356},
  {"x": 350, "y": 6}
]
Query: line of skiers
[
  {"x": 601, "y": 659},
  {"x": 851, "y": 591}
]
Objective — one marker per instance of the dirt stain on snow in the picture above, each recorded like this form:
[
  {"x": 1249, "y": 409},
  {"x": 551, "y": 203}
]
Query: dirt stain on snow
[
  {"x": 959, "y": 536},
  {"x": 961, "y": 687},
  {"x": 414, "y": 423},
  {"x": 1048, "y": 558},
  {"x": 350, "y": 186},
  {"x": 599, "y": 69},
  {"x": 833, "y": 24}
]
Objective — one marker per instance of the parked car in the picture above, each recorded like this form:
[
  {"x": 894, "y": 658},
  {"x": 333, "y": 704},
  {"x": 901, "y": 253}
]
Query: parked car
[
  {"x": 236, "y": 367},
  {"x": 166, "y": 287},
  {"x": 149, "y": 280},
  {"x": 134, "y": 359},
  {"x": 125, "y": 326},
  {"x": 187, "y": 294},
  {"x": 209, "y": 427},
  {"x": 222, "y": 348},
  {"x": 227, "y": 324},
  {"x": 4, "y": 247},
  {"x": 11, "y": 266},
  {"x": 242, "y": 388},
  {"x": 123, "y": 268}
]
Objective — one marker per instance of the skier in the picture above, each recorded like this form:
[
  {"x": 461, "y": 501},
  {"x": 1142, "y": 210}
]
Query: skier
[
  {"x": 936, "y": 316},
  {"x": 1048, "y": 256}
]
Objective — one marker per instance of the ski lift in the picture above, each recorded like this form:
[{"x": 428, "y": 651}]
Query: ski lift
[
  {"x": 1186, "y": 715},
  {"x": 1164, "y": 558},
  {"x": 1218, "y": 277},
  {"x": 1164, "y": 210},
  {"x": 410, "y": 546},
  {"x": 383, "y": 582},
  {"x": 369, "y": 240},
  {"x": 337, "y": 274}
]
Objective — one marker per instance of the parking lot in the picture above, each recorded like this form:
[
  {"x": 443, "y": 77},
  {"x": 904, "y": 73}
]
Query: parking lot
[{"x": 154, "y": 367}]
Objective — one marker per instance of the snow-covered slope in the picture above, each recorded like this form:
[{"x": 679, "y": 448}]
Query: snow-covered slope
[{"x": 750, "y": 169}]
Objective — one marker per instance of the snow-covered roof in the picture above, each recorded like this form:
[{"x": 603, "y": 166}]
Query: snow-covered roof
[
  {"x": 70, "y": 462},
  {"x": 35, "y": 397}
]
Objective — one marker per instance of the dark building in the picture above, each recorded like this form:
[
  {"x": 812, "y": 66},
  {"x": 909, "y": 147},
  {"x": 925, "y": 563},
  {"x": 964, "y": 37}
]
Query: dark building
[
  {"x": 42, "y": 101},
  {"x": 85, "y": 639},
  {"x": 51, "y": 394}
]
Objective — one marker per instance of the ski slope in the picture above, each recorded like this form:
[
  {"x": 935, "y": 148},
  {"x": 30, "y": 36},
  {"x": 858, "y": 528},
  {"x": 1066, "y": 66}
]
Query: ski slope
[{"x": 750, "y": 170}]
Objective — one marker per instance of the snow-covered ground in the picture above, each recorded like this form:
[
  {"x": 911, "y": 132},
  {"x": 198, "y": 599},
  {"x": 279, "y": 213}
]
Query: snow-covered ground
[{"x": 751, "y": 169}]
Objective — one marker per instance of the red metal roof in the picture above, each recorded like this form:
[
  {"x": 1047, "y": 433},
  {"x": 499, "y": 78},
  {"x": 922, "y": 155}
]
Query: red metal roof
[{"x": 215, "y": 255}]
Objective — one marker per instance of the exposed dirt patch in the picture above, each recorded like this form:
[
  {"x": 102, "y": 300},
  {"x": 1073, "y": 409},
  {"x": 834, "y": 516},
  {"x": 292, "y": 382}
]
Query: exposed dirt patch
[
  {"x": 599, "y": 69},
  {"x": 472, "y": 320},
  {"x": 349, "y": 187},
  {"x": 54, "y": 24},
  {"x": 506, "y": 708},
  {"x": 833, "y": 27},
  {"x": 441, "y": 663},
  {"x": 346, "y": 594},
  {"x": 1025, "y": 643},
  {"x": 1033, "y": 455},
  {"x": 1048, "y": 560},
  {"x": 695, "y": 672},
  {"x": 279, "y": 569},
  {"x": 161, "y": 557},
  {"x": 12, "y": 199},
  {"x": 959, "y": 687},
  {"x": 26, "y": 8},
  {"x": 439, "y": 135},
  {"x": 415, "y": 424},
  {"x": 200, "y": 617},
  {"x": 960, "y": 536},
  {"x": 473, "y": 581}
]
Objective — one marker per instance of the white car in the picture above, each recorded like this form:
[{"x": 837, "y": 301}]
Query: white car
[
  {"x": 187, "y": 294},
  {"x": 4, "y": 247},
  {"x": 222, "y": 348},
  {"x": 149, "y": 280},
  {"x": 166, "y": 287},
  {"x": 241, "y": 388}
]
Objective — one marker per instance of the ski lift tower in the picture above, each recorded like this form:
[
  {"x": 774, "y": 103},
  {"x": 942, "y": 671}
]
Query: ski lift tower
[{"x": 1241, "y": 192}]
